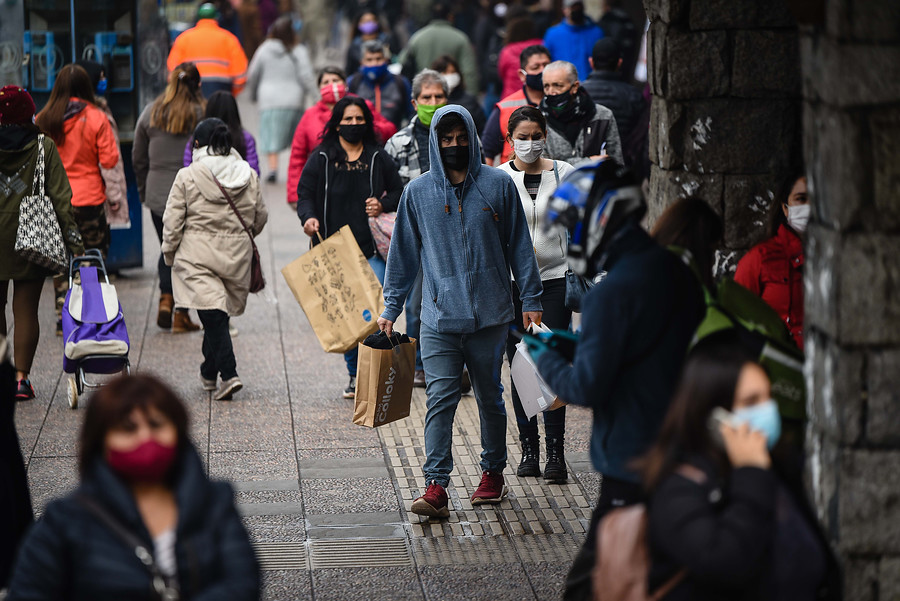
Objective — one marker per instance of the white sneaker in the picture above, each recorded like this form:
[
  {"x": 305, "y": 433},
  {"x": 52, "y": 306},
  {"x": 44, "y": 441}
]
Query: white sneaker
[
  {"x": 350, "y": 391},
  {"x": 228, "y": 388}
]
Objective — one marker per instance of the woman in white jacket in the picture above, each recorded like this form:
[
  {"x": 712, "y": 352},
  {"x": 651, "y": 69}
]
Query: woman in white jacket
[
  {"x": 536, "y": 178},
  {"x": 208, "y": 248},
  {"x": 280, "y": 78}
]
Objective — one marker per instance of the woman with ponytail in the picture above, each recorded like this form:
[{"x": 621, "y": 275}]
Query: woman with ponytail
[
  {"x": 205, "y": 243},
  {"x": 162, "y": 131}
]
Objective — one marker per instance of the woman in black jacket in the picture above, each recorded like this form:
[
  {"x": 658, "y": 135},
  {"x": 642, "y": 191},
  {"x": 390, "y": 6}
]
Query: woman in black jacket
[
  {"x": 725, "y": 516},
  {"x": 347, "y": 180},
  {"x": 141, "y": 479}
]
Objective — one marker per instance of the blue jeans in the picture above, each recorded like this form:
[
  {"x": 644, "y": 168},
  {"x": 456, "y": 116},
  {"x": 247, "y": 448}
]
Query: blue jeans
[
  {"x": 413, "y": 311},
  {"x": 443, "y": 356},
  {"x": 351, "y": 356}
]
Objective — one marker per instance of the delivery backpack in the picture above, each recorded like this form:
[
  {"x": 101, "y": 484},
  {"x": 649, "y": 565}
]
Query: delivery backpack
[{"x": 758, "y": 329}]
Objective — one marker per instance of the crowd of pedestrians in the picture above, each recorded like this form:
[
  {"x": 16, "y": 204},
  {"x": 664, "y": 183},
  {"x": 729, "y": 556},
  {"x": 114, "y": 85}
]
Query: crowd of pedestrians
[{"x": 493, "y": 213}]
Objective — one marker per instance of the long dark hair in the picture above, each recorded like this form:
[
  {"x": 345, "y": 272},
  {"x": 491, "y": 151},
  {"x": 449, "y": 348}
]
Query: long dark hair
[
  {"x": 222, "y": 105},
  {"x": 693, "y": 225},
  {"x": 776, "y": 213},
  {"x": 709, "y": 380},
  {"x": 71, "y": 80},
  {"x": 519, "y": 30},
  {"x": 111, "y": 405},
  {"x": 330, "y": 135},
  {"x": 354, "y": 27},
  {"x": 283, "y": 30}
]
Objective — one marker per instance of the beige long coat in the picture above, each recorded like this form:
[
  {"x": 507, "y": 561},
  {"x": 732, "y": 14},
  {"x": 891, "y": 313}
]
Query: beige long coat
[{"x": 203, "y": 240}]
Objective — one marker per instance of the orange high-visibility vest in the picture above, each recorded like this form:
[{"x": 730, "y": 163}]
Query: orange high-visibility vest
[
  {"x": 507, "y": 106},
  {"x": 216, "y": 52}
]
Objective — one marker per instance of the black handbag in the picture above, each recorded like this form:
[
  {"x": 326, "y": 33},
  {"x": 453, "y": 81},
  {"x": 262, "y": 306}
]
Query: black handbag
[{"x": 576, "y": 288}]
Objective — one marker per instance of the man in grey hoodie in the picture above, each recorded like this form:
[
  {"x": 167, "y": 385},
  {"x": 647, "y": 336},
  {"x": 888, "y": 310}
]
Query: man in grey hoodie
[{"x": 463, "y": 223}]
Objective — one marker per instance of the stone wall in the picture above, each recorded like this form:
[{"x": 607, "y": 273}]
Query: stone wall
[
  {"x": 851, "y": 90},
  {"x": 725, "y": 123}
]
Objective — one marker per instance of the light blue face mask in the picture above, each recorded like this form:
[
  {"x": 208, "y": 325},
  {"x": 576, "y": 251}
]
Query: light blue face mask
[
  {"x": 762, "y": 417},
  {"x": 101, "y": 86},
  {"x": 297, "y": 24}
]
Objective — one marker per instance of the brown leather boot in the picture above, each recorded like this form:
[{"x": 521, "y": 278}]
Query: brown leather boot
[
  {"x": 164, "y": 316},
  {"x": 181, "y": 322}
]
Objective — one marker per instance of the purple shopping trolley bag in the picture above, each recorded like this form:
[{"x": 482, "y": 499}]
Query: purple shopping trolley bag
[{"x": 93, "y": 325}]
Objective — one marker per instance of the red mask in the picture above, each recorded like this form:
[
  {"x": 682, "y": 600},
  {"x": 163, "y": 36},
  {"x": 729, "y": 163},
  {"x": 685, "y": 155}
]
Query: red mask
[
  {"x": 333, "y": 92},
  {"x": 148, "y": 462}
]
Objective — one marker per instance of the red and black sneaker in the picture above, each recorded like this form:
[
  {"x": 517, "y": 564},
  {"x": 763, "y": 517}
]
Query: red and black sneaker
[
  {"x": 433, "y": 503},
  {"x": 25, "y": 391},
  {"x": 491, "y": 489}
]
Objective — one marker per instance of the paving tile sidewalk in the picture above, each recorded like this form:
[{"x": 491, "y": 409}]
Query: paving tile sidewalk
[{"x": 326, "y": 502}]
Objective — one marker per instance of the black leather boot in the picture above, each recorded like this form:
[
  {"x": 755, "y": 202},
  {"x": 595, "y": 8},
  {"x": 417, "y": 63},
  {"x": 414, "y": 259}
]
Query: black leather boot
[
  {"x": 555, "y": 471},
  {"x": 531, "y": 455}
]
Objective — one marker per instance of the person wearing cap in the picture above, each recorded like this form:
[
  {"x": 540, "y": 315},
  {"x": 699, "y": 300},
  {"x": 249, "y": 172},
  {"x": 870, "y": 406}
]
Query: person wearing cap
[
  {"x": 573, "y": 39},
  {"x": 19, "y": 138},
  {"x": 216, "y": 52},
  {"x": 635, "y": 330},
  {"x": 606, "y": 86}
]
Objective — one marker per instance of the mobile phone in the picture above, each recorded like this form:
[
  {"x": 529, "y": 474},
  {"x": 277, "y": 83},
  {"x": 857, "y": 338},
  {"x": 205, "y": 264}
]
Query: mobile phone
[{"x": 718, "y": 417}]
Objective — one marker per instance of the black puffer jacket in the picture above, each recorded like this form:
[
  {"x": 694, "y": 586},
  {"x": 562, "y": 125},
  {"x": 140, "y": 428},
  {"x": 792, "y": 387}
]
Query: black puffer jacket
[
  {"x": 70, "y": 554},
  {"x": 623, "y": 99}
]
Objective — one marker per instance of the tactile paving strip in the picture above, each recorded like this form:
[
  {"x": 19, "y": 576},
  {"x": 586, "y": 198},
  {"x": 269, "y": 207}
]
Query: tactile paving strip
[
  {"x": 282, "y": 556},
  {"x": 359, "y": 553}
]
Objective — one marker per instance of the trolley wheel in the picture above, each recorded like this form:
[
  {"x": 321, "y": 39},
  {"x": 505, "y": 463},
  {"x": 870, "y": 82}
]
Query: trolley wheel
[{"x": 72, "y": 393}]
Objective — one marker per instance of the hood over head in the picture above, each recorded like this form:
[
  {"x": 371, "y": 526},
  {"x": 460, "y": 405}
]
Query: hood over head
[
  {"x": 434, "y": 146},
  {"x": 231, "y": 170}
]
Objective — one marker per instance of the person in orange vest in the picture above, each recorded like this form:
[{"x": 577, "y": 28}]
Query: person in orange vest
[
  {"x": 216, "y": 52},
  {"x": 494, "y": 141}
]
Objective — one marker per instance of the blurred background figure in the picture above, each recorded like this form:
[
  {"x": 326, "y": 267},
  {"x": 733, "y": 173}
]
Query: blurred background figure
[
  {"x": 520, "y": 34},
  {"x": 436, "y": 39},
  {"x": 366, "y": 27},
  {"x": 447, "y": 66},
  {"x": 573, "y": 39},
  {"x": 86, "y": 144},
  {"x": 388, "y": 93},
  {"x": 222, "y": 105},
  {"x": 216, "y": 52},
  {"x": 15, "y": 499},
  {"x": 332, "y": 88},
  {"x": 773, "y": 269},
  {"x": 206, "y": 243},
  {"x": 161, "y": 133},
  {"x": 280, "y": 81},
  {"x": 18, "y": 161},
  {"x": 142, "y": 484}
]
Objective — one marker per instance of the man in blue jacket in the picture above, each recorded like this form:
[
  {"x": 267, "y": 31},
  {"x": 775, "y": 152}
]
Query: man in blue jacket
[
  {"x": 635, "y": 330},
  {"x": 463, "y": 223},
  {"x": 573, "y": 39}
]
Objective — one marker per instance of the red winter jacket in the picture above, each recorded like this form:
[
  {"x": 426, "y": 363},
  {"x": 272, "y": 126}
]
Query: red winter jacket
[
  {"x": 306, "y": 137},
  {"x": 774, "y": 271}
]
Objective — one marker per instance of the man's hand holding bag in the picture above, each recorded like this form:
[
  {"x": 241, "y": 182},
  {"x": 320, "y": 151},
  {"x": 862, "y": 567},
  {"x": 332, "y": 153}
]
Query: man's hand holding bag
[{"x": 384, "y": 379}]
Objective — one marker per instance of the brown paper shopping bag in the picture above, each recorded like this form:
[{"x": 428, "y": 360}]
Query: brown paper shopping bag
[
  {"x": 337, "y": 290},
  {"x": 384, "y": 383}
]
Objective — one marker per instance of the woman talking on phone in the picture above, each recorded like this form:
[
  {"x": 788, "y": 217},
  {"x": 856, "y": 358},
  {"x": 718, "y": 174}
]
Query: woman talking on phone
[{"x": 727, "y": 517}]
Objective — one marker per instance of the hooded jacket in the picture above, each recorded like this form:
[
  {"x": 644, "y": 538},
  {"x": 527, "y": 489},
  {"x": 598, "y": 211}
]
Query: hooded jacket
[
  {"x": 203, "y": 240},
  {"x": 71, "y": 554},
  {"x": 464, "y": 245},
  {"x": 278, "y": 78},
  {"x": 574, "y": 43},
  {"x": 89, "y": 145}
]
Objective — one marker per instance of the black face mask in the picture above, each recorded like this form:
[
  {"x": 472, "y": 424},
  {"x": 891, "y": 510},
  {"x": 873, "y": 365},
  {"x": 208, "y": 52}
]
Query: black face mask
[
  {"x": 558, "y": 103},
  {"x": 577, "y": 15},
  {"x": 352, "y": 133},
  {"x": 535, "y": 81},
  {"x": 455, "y": 157}
]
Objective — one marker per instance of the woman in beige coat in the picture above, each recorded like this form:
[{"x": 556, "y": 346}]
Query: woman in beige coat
[{"x": 208, "y": 248}]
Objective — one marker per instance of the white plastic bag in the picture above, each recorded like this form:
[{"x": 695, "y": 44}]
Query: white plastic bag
[{"x": 534, "y": 393}]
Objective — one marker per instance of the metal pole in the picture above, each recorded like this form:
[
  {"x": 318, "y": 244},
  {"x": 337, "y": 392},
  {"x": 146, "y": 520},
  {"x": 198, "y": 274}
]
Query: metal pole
[{"x": 72, "y": 28}]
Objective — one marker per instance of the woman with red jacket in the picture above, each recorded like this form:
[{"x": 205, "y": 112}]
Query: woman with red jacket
[
  {"x": 773, "y": 269},
  {"x": 332, "y": 87},
  {"x": 86, "y": 143}
]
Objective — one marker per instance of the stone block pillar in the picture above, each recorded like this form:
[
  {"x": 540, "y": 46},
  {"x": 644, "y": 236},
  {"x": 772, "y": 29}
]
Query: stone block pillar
[
  {"x": 851, "y": 90},
  {"x": 725, "y": 122}
]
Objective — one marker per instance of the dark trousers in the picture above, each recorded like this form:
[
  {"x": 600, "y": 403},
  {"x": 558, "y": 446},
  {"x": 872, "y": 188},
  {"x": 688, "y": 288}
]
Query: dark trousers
[
  {"x": 555, "y": 316},
  {"x": 613, "y": 494},
  {"x": 218, "y": 354},
  {"x": 165, "y": 271}
]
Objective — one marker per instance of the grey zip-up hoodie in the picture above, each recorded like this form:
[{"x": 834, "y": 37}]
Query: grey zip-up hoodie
[{"x": 465, "y": 247}]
